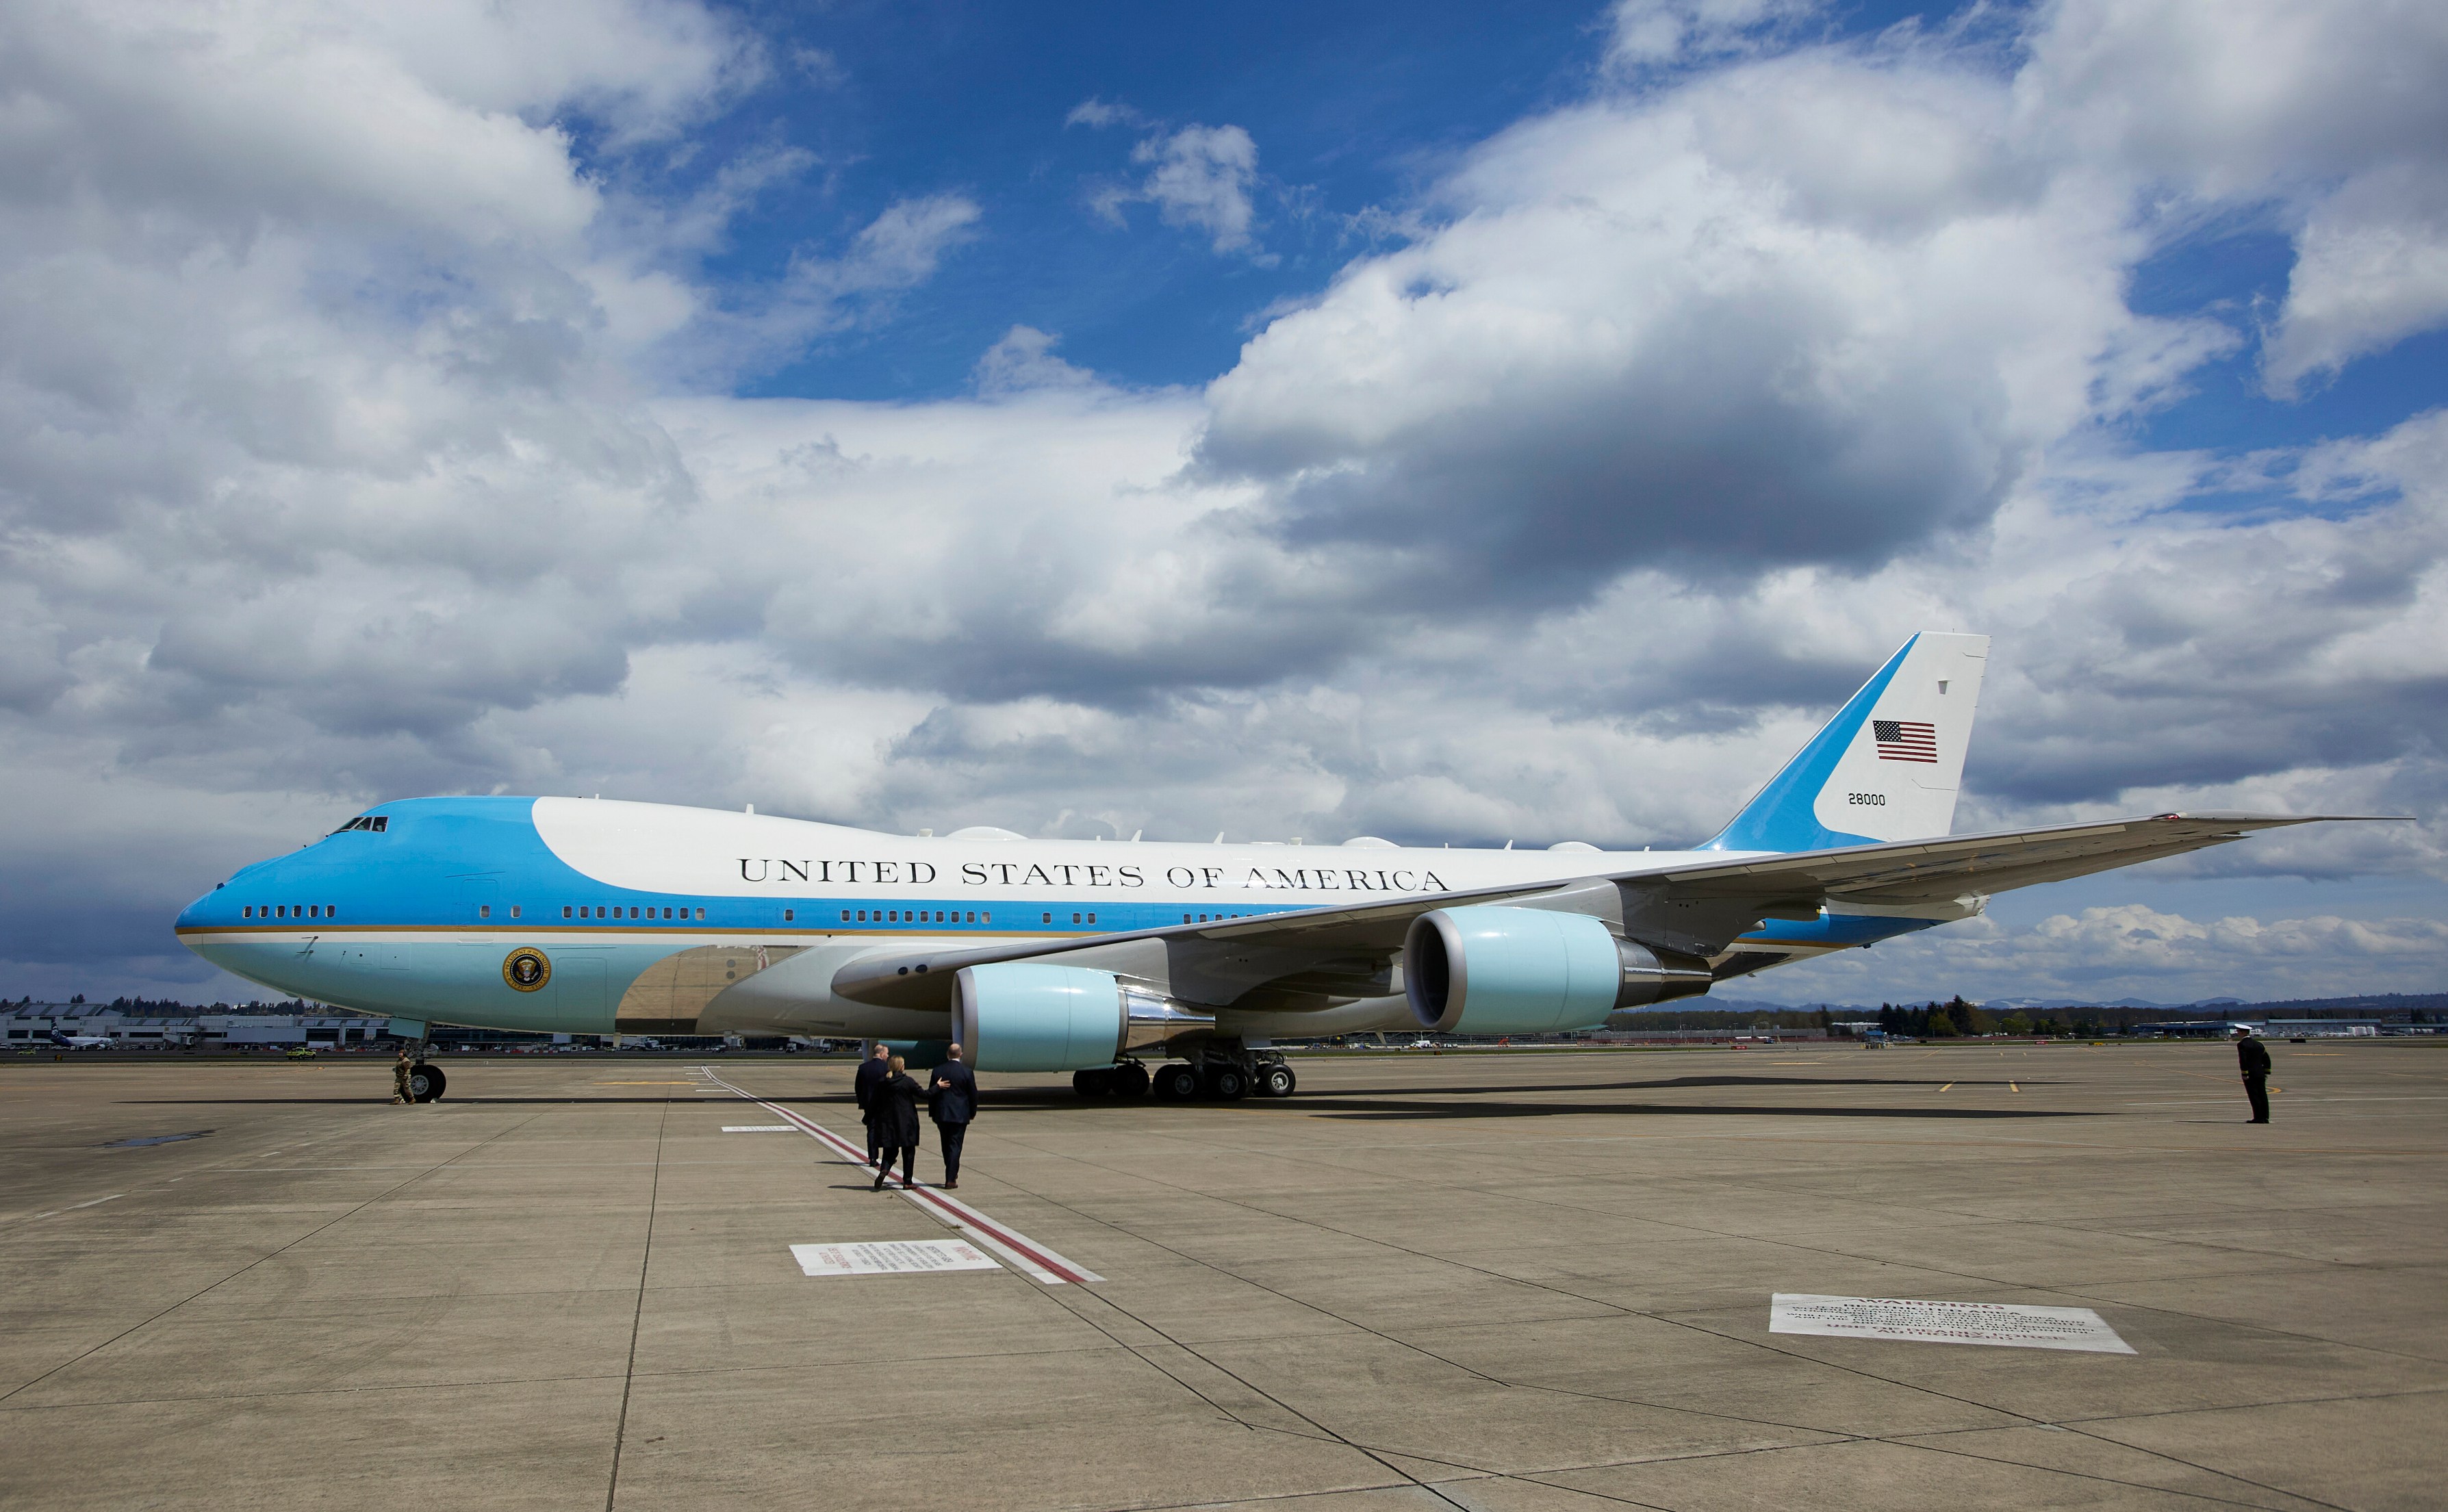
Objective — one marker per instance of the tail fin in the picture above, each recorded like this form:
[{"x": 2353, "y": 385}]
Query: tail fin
[{"x": 1885, "y": 768}]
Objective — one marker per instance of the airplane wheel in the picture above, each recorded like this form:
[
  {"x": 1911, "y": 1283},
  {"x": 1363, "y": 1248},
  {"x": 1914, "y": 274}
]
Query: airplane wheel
[
  {"x": 1130, "y": 1081},
  {"x": 1229, "y": 1085},
  {"x": 1277, "y": 1080},
  {"x": 1176, "y": 1083},
  {"x": 424, "y": 1083},
  {"x": 1095, "y": 1082}
]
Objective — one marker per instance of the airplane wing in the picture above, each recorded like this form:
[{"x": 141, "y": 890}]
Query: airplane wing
[{"x": 1348, "y": 950}]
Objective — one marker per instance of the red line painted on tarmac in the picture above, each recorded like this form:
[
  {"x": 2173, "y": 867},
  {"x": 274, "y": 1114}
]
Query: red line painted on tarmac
[{"x": 1031, "y": 1257}]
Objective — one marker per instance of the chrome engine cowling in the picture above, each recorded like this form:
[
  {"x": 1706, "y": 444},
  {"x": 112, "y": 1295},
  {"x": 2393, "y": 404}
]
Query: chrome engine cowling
[
  {"x": 1027, "y": 1016},
  {"x": 1500, "y": 970}
]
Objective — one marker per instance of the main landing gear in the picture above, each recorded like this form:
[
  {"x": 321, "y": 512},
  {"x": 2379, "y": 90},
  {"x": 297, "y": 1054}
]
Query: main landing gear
[
  {"x": 1225, "y": 1075},
  {"x": 1129, "y": 1080},
  {"x": 424, "y": 1083}
]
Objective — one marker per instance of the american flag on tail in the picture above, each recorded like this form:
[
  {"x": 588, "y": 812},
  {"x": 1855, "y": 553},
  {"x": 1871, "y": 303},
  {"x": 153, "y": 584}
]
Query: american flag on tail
[{"x": 1905, "y": 740}]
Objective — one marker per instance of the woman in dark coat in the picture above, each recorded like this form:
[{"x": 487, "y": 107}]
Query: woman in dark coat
[{"x": 892, "y": 1107}]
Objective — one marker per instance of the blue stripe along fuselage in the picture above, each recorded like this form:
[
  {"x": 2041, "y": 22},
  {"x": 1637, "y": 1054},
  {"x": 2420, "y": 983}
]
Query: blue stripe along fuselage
[{"x": 397, "y": 922}]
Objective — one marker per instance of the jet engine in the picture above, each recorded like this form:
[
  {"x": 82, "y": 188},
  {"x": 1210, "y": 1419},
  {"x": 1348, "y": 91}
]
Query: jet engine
[
  {"x": 1024, "y": 1016},
  {"x": 1497, "y": 970}
]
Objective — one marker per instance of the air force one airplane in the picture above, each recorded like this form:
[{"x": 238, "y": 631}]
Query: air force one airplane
[{"x": 590, "y": 917}]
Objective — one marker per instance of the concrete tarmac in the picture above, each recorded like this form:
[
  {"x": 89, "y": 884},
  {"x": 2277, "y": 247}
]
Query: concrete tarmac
[{"x": 1491, "y": 1282}]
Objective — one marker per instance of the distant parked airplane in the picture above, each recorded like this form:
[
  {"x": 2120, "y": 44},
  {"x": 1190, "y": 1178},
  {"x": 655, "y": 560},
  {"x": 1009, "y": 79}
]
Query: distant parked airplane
[
  {"x": 81, "y": 1041},
  {"x": 586, "y": 917}
]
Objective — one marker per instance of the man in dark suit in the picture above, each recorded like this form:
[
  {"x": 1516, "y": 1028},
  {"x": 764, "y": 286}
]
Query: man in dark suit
[
  {"x": 952, "y": 1102},
  {"x": 2254, "y": 1057},
  {"x": 872, "y": 1073}
]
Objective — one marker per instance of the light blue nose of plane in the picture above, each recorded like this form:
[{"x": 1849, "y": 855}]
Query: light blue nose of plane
[{"x": 198, "y": 914}]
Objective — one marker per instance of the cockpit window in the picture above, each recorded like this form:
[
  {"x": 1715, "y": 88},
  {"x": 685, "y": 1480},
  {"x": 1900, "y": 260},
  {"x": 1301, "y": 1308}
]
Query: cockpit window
[{"x": 375, "y": 823}]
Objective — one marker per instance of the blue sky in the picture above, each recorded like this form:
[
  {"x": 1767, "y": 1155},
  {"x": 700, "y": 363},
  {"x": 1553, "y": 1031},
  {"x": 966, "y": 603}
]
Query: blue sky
[
  {"x": 1355, "y": 106},
  {"x": 1454, "y": 423}
]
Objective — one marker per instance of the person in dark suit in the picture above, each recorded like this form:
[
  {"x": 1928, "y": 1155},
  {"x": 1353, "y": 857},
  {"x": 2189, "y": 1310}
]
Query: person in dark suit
[
  {"x": 2254, "y": 1057},
  {"x": 896, "y": 1105},
  {"x": 871, "y": 1071},
  {"x": 952, "y": 1102}
]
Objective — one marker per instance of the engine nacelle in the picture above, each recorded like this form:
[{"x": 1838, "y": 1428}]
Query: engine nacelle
[
  {"x": 1497, "y": 970},
  {"x": 1025, "y": 1016}
]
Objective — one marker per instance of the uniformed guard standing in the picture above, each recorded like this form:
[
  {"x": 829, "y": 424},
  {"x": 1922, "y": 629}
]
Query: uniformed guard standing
[
  {"x": 400, "y": 1091},
  {"x": 2254, "y": 1057}
]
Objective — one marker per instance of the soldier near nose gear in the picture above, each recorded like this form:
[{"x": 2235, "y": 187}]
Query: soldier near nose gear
[{"x": 400, "y": 1091}]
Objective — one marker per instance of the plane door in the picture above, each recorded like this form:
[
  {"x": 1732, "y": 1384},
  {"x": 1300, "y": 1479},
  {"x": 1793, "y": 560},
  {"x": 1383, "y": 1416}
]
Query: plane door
[{"x": 479, "y": 900}]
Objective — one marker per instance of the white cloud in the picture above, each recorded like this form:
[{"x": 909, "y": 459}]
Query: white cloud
[
  {"x": 1101, "y": 113},
  {"x": 1647, "y": 33},
  {"x": 331, "y": 467},
  {"x": 2331, "y": 110},
  {"x": 2130, "y": 950},
  {"x": 1025, "y": 359},
  {"x": 1200, "y": 178},
  {"x": 2371, "y": 269},
  {"x": 1692, "y": 327}
]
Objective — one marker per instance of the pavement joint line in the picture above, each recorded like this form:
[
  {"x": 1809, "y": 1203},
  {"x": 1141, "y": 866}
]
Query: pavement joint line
[
  {"x": 2073, "y": 1425},
  {"x": 1612, "y": 1309},
  {"x": 637, "y": 1319},
  {"x": 1903, "y": 1442},
  {"x": 1534, "y": 1476},
  {"x": 2021, "y": 1418},
  {"x": 1036, "y": 1261},
  {"x": 850, "y": 1153},
  {"x": 312, "y": 1391},
  {"x": 72, "y": 1207},
  {"x": 270, "y": 1254},
  {"x": 1381, "y": 1181}
]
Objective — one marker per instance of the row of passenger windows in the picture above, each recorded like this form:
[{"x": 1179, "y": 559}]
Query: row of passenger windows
[
  {"x": 908, "y": 916},
  {"x": 583, "y": 910},
  {"x": 591, "y": 911}
]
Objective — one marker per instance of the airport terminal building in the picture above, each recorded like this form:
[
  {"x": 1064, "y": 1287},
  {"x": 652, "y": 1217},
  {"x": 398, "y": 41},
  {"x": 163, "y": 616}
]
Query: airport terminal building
[{"x": 29, "y": 1026}]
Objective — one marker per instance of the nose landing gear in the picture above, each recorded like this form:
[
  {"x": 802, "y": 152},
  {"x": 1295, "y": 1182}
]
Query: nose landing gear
[{"x": 424, "y": 1083}]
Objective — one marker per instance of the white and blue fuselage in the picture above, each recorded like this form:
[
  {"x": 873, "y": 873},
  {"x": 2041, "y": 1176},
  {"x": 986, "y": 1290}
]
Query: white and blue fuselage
[{"x": 580, "y": 916}]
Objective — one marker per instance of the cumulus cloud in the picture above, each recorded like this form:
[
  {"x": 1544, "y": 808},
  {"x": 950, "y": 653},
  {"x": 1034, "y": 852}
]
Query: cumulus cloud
[
  {"x": 2132, "y": 950},
  {"x": 1198, "y": 177},
  {"x": 2332, "y": 111},
  {"x": 1647, "y": 33},
  {"x": 357, "y": 441},
  {"x": 2371, "y": 268},
  {"x": 1025, "y": 359},
  {"x": 1691, "y": 329},
  {"x": 1098, "y": 112}
]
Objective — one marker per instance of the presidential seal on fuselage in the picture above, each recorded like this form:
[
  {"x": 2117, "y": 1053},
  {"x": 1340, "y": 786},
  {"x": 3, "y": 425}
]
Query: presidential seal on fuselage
[{"x": 527, "y": 968}]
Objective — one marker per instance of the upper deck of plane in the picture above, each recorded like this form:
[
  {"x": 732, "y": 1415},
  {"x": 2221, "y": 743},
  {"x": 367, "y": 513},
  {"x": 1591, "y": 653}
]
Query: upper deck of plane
[{"x": 545, "y": 865}]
